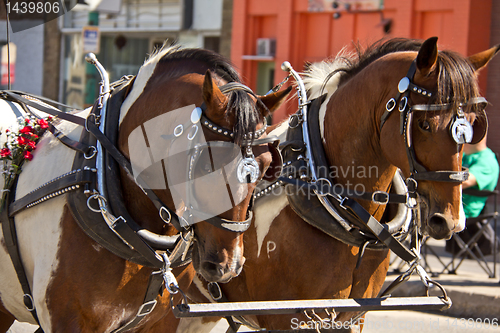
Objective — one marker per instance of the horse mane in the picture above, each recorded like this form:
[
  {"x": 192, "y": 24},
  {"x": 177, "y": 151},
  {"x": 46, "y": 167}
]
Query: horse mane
[
  {"x": 455, "y": 75},
  {"x": 240, "y": 103}
]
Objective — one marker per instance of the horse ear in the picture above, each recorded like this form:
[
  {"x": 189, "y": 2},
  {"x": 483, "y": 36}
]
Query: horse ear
[
  {"x": 427, "y": 56},
  {"x": 274, "y": 100},
  {"x": 480, "y": 59},
  {"x": 212, "y": 96}
]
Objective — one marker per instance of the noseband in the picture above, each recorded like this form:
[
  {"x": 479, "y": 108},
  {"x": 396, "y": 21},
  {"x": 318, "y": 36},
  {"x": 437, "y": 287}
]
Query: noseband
[{"x": 460, "y": 128}]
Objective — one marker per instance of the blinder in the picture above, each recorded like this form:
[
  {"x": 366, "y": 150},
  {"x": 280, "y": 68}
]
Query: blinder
[
  {"x": 274, "y": 171},
  {"x": 480, "y": 127}
]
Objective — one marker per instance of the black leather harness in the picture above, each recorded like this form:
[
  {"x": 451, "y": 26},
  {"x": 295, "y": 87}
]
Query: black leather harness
[{"x": 122, "y": 236}]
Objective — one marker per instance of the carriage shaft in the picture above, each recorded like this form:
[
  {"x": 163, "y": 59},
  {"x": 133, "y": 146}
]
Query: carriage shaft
[{"x": 299, "y": 306}]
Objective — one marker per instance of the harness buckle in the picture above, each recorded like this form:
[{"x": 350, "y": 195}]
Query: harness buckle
[
  {"x": 411, "y": 201},
  {"x": 384, "y": 201}
]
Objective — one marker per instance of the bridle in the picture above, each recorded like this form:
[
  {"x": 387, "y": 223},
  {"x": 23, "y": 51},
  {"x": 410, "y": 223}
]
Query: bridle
[
  {"x": 344, "y": 209},
  {"x": 247, "y": 169},
  {"x": 461, "y": 130}
]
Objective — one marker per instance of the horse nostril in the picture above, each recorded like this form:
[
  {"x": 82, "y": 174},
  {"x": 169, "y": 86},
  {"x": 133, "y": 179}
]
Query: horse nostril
[
  {"x": 437, "y": 220},
  {"x": 441, "y": 226},
  {"x": 212, "y": 269}
]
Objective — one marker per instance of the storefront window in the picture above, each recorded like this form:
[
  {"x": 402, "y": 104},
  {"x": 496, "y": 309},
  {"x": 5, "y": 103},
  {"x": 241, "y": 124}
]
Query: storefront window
[{"x": 119, "y": 55}]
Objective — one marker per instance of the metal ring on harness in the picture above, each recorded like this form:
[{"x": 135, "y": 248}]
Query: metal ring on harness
[
  {"x": 29, "y": 303},
  {"x": 178, "y": 130},
  {"x": 93, "y": 153},
  {"x": 320, "y": 192},
  {"x": 163, "y": 211},
  {"x": 192, "y": 135},
  {"x": 97, "y": 197},
  {"x": 291, "y": 122}
]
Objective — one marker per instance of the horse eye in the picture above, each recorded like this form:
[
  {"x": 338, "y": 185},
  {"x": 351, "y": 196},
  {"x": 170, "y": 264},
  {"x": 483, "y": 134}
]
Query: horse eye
[{"x": 424, "y": 125}]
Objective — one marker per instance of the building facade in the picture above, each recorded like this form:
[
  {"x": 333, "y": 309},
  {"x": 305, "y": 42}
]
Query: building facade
[
  {"x": 266, "y": 33},
  {"x": 129, "y": 31}
]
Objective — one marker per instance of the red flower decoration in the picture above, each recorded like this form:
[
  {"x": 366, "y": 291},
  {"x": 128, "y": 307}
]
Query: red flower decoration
[
  {"x": 5, "y": 152},
  {"x": 43, "y": 123},
  {"x": 32, "y": 145},
  {"x": 28, "y": 155},
  {"x": 22, "y": 140},
  {"x": 26, "y": 129}
]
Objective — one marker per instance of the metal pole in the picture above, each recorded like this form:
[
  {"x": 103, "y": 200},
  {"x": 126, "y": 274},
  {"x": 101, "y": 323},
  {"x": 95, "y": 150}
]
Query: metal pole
[{"x": 91, "y": 79}]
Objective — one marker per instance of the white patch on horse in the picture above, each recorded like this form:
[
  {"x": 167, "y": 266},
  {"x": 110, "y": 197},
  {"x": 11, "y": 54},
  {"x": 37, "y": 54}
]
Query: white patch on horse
[
  {"x": 142, "y": 79},
  {"x": 119, "y": 316},
  {"x": 201, "y": 287},
  {"x": 265, "y": 213},
  {"x": 271, "y": 246},
  {"x": 38, "y": 228},
  {"x": 461, "y": 217},
  {"x": 266, "y": 210},
  {"x": 195, "y": 325},
  {"x": 314, "y": 82},
  {"x": 97, "y": 247},
  {"x": 236, "y": 255}
]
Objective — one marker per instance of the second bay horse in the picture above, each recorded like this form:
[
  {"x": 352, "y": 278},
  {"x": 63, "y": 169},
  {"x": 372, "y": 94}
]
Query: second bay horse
[{"x": 363, "y": 125}]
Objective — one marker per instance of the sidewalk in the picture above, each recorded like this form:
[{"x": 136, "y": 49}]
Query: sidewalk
[{"x": 473, "y": 293}]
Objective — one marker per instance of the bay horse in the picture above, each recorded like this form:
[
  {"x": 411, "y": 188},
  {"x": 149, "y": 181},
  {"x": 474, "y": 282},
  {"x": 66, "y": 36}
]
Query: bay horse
[
  {"x": 289, "y": 259},
  {"x": 77, "y": 283}
]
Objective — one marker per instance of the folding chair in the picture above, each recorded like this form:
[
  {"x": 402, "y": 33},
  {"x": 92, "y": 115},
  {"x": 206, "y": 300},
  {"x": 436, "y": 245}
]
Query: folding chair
[{"x": 470, "y": 243}]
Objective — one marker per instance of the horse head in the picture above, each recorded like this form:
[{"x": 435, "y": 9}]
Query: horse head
[
  {"x": 204, "y": 133},
  {"x": 439, "y": 109},
  {"x": 218, "y": 254}
]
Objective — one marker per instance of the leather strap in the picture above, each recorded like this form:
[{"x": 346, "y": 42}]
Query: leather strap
[
  {"x": 68, "y": 182},
  {"x": 155, "y": 287},
  {"x": 10, "y": 239},
  {"x": 378, "y": 229},
  {"x": 52, "y": 111},
  {"x": 379, "y": 197},
  {"x": 68, "y": 142}
]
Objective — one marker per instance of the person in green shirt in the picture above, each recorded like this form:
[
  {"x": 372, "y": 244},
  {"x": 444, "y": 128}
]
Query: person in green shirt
[{"x": 483, "y": 175}]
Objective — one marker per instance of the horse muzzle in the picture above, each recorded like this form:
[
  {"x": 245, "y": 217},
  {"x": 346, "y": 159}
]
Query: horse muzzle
[
  {"x": 441, "y": 226},
  {"x": 217, "y": 272}
]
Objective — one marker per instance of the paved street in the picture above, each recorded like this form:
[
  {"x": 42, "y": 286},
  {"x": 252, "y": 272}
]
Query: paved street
[
  {"x": 408, "y": 322},
  {"x": 468, "y": 286}
]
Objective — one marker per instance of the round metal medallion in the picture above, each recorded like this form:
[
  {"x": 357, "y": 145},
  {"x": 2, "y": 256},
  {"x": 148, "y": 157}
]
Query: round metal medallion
[
  {"x": 461, "y": 131},
  {"x": 404, "y": 83},
  {"x": 196, "y": 115},
  {"x": 248, "y": 170}
]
